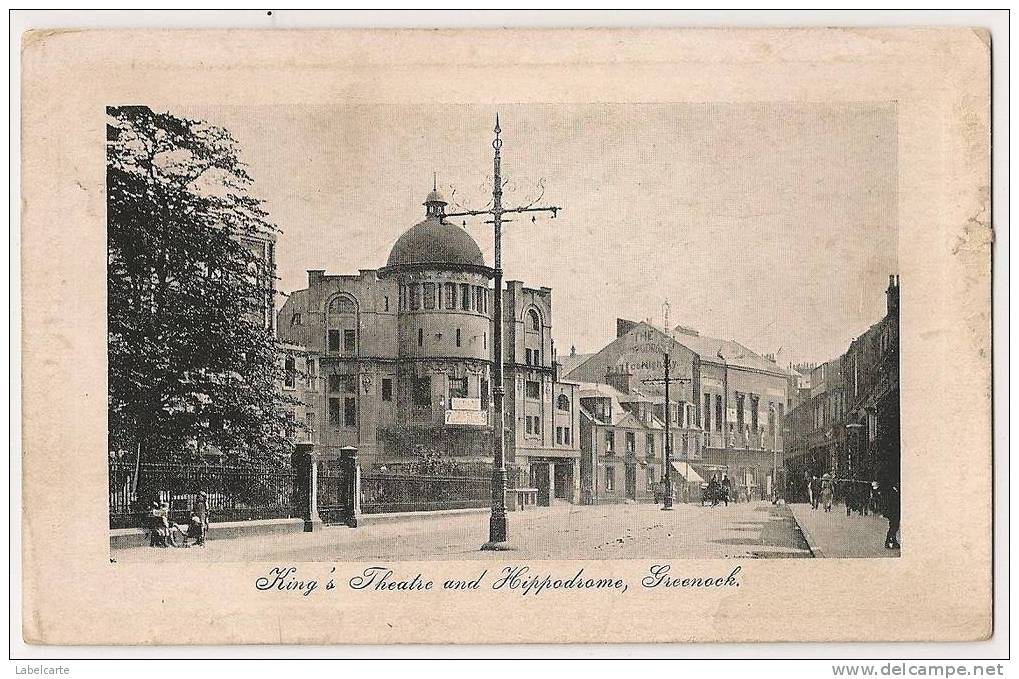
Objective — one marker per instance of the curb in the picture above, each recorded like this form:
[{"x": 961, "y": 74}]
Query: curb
[
  {"x": 386, "y": 517},
  {"x": 815, "y": 551},
  {"x": 126, "y": 538}
]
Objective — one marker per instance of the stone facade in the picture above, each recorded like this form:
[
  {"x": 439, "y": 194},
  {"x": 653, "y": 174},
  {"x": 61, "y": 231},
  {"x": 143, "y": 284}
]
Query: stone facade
[
  {"x": 849, "y": 425},
  {"x": 731, "y": 407},
  {"x": 397, "y": 362}
]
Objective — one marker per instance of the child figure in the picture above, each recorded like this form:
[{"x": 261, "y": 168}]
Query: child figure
[{"x": 196, "y": 531}]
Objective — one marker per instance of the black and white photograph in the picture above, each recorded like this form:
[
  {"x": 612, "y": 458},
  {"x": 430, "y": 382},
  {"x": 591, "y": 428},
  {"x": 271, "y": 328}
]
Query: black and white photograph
[
  {"x": 605, "y": 331},
  {"x": 415, "y": 339}
]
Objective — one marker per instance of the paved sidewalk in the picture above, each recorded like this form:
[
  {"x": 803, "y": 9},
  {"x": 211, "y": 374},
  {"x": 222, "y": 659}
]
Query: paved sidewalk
[
  {"x": 835, "y": 535},
  {"x": 625, "y": 531}
]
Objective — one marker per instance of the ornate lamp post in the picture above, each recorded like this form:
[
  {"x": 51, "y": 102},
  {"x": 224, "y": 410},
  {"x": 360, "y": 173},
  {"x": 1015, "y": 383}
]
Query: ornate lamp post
[
  {"x": 498, "y": 529},
  {"x": 669, "y": 496}
]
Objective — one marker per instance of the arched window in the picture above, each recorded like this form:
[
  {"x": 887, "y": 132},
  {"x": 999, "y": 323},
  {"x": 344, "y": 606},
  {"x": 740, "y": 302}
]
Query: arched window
[
  {"x": 342, "y": 305},
  {"x": 562, "y": 403},
  {"x": 341, "y": 320},
  {"x": 534, "y": 321}
]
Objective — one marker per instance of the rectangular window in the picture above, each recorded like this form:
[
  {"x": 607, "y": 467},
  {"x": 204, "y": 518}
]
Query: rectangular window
[
  {"x": 483, "y": 388},
  {"x": 349, "y": 412},
  {"x": 415, "y": 296},
  {"x": 559, "y": 435},
  {"x": 649, "y": 444},
  {"x": 429, "y": 295},
  {"x": 334, "y": 412},
  {"x": 631, "y": 442},
  {"x": 335, "y": 383},
  {"x": 309, "y": 425},
  {"x": 457, "y": 387},
  {"x": 610, "y": 479},
  {"x": 403, "y": 298},
  {"x": 450, "y": 295},
  {"x": 527, "y": 424},
  {"x": 527, "y": 356},
  {"x": 479, "y": 298},
  {"x": 718, "y": 413},
  {"x": 422, "y": 391},
  {"x": 290, "y": 372},
  {"x": 706, "y": 424},
  {"x": 610, "y": 441},
  {"x": 387, "y": 389},
  {"x": 310, "y": 369},
  {"x": 465, "y": 297},
  {"x": 438, "y": 292},
  {"x": 566, "y": 435},
  {"x": 421, "y": 337},
  {"x": 334, "y": 340},
  {"x": 386, "y": 302},
  {"x": 458, "y": 336},
  {"x": 349, "y": 341},
  {"x": 533, "y": 389}
]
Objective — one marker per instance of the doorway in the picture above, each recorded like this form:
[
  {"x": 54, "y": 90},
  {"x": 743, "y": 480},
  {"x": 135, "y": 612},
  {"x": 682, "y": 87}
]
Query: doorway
[
  {"x": 541, "y": 479},
  {"x": 564, "y": 481},
  {"x": 631, "y": 482}
]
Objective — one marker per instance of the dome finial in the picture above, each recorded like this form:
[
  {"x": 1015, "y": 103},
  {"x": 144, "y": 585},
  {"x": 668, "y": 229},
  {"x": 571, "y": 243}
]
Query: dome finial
[{"x": 435, "y": 203}]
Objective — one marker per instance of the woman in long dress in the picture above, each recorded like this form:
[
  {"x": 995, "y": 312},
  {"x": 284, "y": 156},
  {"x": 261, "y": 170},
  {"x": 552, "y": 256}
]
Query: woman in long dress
[{"x": 827, "y": 491}]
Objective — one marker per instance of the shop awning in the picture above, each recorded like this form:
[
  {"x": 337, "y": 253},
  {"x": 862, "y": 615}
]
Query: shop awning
[{"x": 687, "y": 472}]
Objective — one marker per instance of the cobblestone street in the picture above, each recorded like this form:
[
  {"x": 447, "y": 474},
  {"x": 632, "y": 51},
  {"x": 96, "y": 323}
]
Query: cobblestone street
[{"x": 621, "y": 531}]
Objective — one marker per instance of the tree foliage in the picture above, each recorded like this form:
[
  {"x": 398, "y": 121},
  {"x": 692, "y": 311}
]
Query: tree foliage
[{"x": 193, "y": 362}]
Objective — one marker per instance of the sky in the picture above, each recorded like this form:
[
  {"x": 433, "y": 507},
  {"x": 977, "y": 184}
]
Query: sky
[{"x": 774, "y": 224}]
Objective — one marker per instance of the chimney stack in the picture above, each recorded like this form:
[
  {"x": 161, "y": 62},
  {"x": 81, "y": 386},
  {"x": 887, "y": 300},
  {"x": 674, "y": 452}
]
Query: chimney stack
[{"x": 892, "y": 294}]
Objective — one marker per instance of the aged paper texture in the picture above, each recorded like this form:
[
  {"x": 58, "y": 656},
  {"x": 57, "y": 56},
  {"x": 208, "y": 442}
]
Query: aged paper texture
[{"x": 773, "y": 188}]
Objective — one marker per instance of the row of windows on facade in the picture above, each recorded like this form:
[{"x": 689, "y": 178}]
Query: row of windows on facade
[
  {"x": 610, "y": 478},
  {"x": 775, "y": 413},
  {"x": 448, "y": 296},
  {"x": 532, "y": 427},
  {"x": 343, "y": 410},
  {"x": 630, "y": 441},
  {"x": 458, "y": 338}
]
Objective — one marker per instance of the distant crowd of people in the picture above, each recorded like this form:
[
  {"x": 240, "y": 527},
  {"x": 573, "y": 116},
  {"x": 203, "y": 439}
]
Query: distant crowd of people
[
  {"x": 164, "y": 532},
  {"x": 861, "y": 496}
]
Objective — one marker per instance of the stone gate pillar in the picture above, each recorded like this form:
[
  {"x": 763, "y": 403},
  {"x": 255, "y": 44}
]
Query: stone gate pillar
[
  {"x": 307, "y": 478},
  {"x": 352, "y": 493}
]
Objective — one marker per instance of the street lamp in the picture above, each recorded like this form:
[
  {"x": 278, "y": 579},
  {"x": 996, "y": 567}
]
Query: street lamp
[
  {"x": 498, "y": 530},
  {"x": 669, "y": 496}
]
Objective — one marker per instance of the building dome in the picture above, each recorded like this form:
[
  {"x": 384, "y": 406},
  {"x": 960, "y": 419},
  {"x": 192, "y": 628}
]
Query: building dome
[{"x": 435, "y": 242}]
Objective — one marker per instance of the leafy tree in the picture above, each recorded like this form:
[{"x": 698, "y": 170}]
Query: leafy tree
[{"x": 193, "y": 361}]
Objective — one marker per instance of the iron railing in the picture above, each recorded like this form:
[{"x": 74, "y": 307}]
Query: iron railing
[
  {"x": 383, "y": 493},
  {"x": 233, "y": 493}
]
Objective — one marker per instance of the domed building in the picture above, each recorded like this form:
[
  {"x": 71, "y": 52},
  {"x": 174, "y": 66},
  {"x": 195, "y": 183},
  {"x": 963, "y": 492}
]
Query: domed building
[{"x": 397, "y": 362}]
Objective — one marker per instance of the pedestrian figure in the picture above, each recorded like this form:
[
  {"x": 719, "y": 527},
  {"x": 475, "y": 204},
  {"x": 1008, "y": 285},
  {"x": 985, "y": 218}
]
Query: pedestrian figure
[
  {"x": 815, "y": 491},
  {"x": 827, "y": 491},
  {"x": 890, "y": 497},
  {"x": 159, "y": 524},
  {"x": 200, "y": 510},
  {"x": 726, "y": 488},
  {"x": 713, "y": 490},
  {"x": 155, "y": 522}
]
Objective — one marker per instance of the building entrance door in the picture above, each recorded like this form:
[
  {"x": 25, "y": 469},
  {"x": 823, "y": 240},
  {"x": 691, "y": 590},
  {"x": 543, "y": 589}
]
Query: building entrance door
[
  {"x": 564, "y": 481},
  {"x": 541, "y": 478},
  {"x": 631, "y": 481}
]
